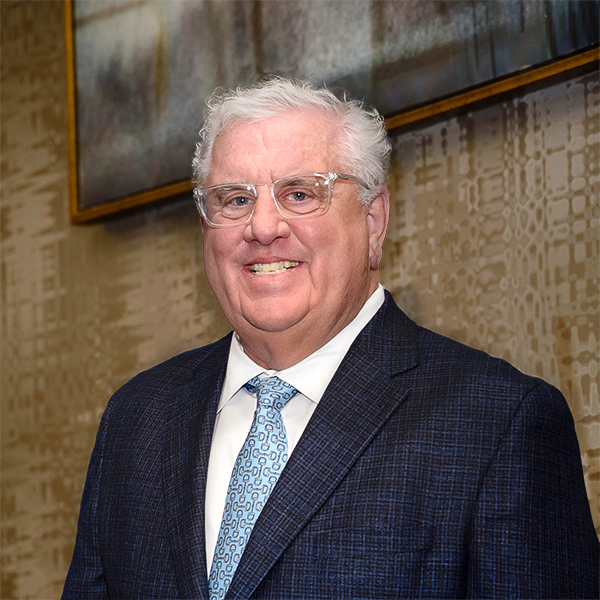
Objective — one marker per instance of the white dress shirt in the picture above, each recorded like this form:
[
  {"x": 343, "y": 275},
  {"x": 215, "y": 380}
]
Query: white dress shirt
[{"x": 235, "y": 412}]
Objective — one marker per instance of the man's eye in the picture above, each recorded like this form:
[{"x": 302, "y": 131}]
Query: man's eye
[
  {"x": 298, "y": 196},
  {"x": 237, "y": 201}
]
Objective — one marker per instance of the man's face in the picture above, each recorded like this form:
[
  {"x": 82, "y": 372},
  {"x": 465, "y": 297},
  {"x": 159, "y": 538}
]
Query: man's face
[{"x": 337, "y": 253}]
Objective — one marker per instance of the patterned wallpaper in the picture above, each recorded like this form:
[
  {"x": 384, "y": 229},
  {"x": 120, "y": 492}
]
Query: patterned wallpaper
[{"x": 493, "y": 240}]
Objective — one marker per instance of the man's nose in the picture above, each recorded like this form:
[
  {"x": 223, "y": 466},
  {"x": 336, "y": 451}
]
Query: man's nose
[{"x": 266, "y": 223}]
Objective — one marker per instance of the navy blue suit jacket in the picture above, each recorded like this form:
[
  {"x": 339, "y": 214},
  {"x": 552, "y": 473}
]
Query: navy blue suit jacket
[{"x": 428, "y": 470}]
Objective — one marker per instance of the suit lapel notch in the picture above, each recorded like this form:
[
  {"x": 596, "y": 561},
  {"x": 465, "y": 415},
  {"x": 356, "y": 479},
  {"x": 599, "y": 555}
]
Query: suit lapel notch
[{"x": 389, "y": 341}]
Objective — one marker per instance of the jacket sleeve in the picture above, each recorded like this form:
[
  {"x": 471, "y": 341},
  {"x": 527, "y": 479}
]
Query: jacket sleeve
[
  {"x": 85, "y": 579},
  {"x": 532, "y": 532}
]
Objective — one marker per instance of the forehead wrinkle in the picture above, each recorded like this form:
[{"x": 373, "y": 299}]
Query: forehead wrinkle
[{"x": 269, "y": 147}]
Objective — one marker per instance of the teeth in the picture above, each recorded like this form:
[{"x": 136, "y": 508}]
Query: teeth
[{"x": 276, "y": 267}]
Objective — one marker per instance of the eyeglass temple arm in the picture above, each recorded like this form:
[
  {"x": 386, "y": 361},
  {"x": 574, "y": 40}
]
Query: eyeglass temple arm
[{"x": 349, "y": 178}]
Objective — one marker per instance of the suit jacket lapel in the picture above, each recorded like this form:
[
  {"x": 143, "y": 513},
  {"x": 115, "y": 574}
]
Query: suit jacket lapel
[
  {"x": 188, "y": 433},
  {"x": 359, "y": 400}
]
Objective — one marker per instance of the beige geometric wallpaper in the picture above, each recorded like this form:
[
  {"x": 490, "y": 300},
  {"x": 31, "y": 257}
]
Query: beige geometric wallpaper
[{"x": 494, "y": 240}]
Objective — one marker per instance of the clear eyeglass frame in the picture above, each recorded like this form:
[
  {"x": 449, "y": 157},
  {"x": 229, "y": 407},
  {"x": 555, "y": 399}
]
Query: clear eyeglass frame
[{"x": 201, "y": 193}]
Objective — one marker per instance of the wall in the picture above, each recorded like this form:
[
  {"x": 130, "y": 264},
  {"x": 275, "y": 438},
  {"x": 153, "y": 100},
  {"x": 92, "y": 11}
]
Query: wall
[{"x": 493, "y": 241}]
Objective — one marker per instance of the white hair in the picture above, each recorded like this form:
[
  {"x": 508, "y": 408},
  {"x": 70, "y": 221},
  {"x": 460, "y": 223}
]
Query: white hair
[{"x": 363, "y": 145}]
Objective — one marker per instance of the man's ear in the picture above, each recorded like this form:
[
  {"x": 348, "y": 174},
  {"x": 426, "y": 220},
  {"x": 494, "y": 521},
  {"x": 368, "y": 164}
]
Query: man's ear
[{"x": 378, "y": 215}]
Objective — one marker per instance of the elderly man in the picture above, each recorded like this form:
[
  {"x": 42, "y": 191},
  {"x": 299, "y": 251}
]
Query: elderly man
[{"x": 329, "y": 447}]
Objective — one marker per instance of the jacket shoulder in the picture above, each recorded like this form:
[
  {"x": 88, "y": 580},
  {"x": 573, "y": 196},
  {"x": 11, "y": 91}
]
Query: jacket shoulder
[
  {"x": 453, "y": 372},
  {"x": 460, "y": 364},
  {"x": 157, "y": 386}
]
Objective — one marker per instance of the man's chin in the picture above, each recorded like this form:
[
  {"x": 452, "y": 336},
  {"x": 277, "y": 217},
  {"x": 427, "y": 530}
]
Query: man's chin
[
  {"x": 275, "y": 316},
  {"x": 274, "y": 323}
]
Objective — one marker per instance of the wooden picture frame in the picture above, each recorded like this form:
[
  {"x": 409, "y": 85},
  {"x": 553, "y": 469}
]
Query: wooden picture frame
[{"x": 435, "y": 105}]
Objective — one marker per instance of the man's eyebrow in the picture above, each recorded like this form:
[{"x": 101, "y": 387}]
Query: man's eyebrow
[{"x": 292, "y": 179}]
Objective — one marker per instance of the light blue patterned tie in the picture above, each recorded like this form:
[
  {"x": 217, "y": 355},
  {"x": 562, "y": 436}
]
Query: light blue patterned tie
[{"x": 254, "y": 475}]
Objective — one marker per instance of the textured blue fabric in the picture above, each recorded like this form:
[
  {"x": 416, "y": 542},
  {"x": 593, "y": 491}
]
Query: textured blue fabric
[
  {"x": 428, "y": 470},
  {"x": 255, "y": 473}
]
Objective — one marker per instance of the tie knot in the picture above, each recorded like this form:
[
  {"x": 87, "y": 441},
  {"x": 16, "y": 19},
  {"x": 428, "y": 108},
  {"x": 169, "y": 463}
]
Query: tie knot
[{"x": 272, "y": 391}]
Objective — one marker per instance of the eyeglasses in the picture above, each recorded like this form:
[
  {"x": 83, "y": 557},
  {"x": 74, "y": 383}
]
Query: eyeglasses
[{"x": 295, "y": 196}]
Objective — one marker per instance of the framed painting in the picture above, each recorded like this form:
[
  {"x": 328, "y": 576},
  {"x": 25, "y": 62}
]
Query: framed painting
[{"x": 139, "y": 71}]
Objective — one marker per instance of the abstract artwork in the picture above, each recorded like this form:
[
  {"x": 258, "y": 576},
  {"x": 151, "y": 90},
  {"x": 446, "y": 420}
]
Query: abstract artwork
[{"x": 142, "y": 69}]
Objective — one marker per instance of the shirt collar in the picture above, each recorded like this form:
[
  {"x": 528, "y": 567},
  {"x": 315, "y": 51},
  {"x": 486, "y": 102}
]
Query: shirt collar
[{"x": 310, "y": 376}]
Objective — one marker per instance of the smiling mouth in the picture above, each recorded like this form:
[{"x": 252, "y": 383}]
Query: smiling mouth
[{"x": 275, "y": 267}]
